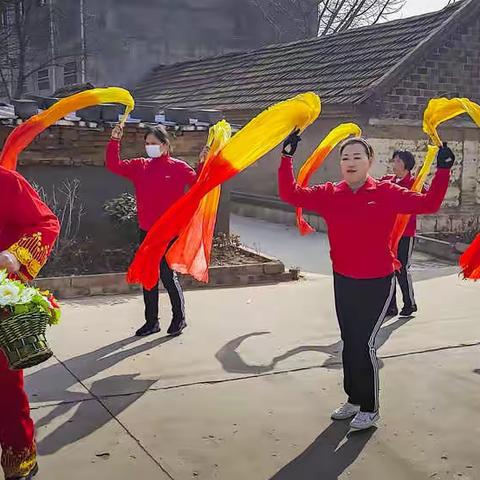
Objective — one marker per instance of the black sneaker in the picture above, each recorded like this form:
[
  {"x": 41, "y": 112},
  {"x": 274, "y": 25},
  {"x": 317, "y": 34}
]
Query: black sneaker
[
  {"x": 33, "y": 472},
  {"x": 407, "y": 311},
  {"x": 176, "y": 327},
  {"x": 392, "y": 312},
  {"x": 148, "y": 329}
]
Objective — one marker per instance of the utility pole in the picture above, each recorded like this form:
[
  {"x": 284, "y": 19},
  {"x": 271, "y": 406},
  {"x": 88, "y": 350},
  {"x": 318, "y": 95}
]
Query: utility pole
[
  {"x": 52, "y": 44},
  {"x": 83, "y": 68}
]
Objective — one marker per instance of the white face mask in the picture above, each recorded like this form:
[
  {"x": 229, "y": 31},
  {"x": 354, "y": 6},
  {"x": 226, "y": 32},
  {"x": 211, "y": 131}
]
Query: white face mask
[{"x": 154, "y": 151}]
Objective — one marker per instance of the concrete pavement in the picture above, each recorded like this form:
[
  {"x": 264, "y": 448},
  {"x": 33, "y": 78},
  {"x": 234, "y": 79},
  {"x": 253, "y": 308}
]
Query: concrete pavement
[{"x": 247, "y": 391}]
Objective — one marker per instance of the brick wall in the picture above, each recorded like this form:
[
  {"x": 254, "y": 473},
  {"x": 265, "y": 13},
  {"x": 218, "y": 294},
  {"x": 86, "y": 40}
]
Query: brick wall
[
  {"x": 458, "y": 213},
  {"x": 452, "y": 70},
  {"x": 76, "y": 146},
  {"x": 64, "y": 153}
]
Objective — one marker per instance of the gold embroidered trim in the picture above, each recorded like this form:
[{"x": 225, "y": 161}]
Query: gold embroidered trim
[
  {"x": 19, "y": 464},
  {"x": 31, "y": 253}
]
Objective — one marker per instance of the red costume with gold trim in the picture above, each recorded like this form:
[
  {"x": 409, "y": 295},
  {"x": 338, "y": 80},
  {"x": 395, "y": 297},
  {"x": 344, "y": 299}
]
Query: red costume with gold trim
[{"x": 28, "y": 230}]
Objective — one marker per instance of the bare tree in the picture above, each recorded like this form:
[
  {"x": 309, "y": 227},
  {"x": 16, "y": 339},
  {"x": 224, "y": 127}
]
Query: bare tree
[
  {"x": 311, "y": 18},
  {"x": 297, "y": 18},
  {"x": 25, "y": 31},
  {"x": 65, "y": 203}
]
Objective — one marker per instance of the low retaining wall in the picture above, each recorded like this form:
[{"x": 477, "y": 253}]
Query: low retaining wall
[
  {"x": 266, "y": 271},
  {"x": 440, "y": 248},
  {"x": 273, "y": 210},
  {"x": 270, "y": 209}
]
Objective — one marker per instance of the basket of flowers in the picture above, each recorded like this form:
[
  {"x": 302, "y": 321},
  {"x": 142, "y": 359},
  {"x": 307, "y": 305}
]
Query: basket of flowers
[{"x": 25, "y": 313}]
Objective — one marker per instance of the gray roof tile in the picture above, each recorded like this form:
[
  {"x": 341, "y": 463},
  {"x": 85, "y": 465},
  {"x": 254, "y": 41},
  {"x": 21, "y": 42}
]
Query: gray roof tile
[{"x": 340, "y": 68}]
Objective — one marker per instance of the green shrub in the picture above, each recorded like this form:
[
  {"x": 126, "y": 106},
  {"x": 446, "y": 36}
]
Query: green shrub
[{"x": 122, "y": 212}]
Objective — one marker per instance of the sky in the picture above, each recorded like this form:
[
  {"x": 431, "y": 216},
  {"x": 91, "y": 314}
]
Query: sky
[{"x": 417, "y": 7}]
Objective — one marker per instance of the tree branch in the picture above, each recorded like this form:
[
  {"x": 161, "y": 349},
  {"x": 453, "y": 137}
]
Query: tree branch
[
  {"x": 348, "y": 20},
  {"x": 333, "y": 16},
  {"x": 270, "y": 20},
  {"x": 321, "y": 15},
  {"x": 380, "y": 14}
]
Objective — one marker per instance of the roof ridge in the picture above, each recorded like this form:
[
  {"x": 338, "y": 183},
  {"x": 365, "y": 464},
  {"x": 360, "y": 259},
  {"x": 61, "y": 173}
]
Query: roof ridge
[{"x": 393, "y": 23}]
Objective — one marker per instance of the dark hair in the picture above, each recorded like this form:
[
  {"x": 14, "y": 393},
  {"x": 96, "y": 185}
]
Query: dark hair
[
  {"x": 160, "y": 133},
  {"x": 361, "y": 141},
  {"x": 406, "y": 157}
]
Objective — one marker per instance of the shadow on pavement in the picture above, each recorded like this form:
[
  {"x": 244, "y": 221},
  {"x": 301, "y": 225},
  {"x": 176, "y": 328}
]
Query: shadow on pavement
[
  {"x": 328, "y": 456},
  {"x": 86, "y": 420},
  {"x": 232, "y": 362},
  {"x": 83, "y": 367}
]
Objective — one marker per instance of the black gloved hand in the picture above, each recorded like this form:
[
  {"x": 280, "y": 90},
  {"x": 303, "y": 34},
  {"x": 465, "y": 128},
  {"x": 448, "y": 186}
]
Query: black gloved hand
[
  {"x": 291, "y": 143},
  {"x": 445, "y": 157}
]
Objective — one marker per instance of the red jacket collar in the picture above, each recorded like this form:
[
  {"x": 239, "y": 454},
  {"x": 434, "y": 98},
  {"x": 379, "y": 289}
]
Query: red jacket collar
[
  {"x": 165, "y": 156},
  {"x": 370, "y": 184},
  {"x": 405, "y": 181}
]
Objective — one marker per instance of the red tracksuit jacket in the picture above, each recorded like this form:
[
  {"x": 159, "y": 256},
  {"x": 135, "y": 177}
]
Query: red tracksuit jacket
[
  {"x": 28, "y": 228},
  {"x": 159, "y": 182},
  {"x": 406, "y": 182},
  {"x": 360, "y": 223}
]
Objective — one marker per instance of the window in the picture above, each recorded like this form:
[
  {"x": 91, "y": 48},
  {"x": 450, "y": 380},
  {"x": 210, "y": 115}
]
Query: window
[
  {"x": 70, "y": 73},
  {"x": 43, "y": 79},
  {"x": 42, "y": 3},
  {"x": 21, "y": 8}
]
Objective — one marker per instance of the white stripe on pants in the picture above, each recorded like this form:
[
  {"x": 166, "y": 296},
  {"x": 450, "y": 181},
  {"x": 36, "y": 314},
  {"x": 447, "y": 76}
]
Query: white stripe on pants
[{"x": 372, "y": 348}]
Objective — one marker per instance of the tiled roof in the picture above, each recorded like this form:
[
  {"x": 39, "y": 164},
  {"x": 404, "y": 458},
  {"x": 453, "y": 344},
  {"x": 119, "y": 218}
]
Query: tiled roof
[{"x": 341, "y": 68}]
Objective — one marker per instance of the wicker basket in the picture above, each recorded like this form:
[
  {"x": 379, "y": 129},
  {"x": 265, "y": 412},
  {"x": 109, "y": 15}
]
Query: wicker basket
[{"x": 22, "y": 340}]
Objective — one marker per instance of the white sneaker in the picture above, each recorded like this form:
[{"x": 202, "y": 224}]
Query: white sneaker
[
  {"x": 364, "y": 420},
  {"x": 347, "y": 410}
]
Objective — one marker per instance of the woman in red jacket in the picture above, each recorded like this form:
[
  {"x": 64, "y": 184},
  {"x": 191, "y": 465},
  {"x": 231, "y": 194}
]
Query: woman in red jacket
[
  {"x": 360, "y": 213},
  {"x": 159, "y": 182},
  {"x": 28, "y": 230},
  {"x": 403, "y": 162}
]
